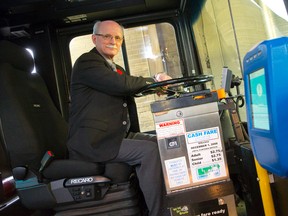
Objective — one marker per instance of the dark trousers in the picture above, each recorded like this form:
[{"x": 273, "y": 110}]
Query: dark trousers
[{"x": 141, "y": 150}]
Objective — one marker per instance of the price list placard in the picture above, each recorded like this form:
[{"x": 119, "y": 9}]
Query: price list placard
[{"x": 205, "y": 154}]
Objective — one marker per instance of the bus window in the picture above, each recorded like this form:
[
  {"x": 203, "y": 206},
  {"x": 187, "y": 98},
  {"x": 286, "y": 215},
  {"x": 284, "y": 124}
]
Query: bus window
[
  {"x": 150, "y": 49},
  {"x": 226, "y": 30}
]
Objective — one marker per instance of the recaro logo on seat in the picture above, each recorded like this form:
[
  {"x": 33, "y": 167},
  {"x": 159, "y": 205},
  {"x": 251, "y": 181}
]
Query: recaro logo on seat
[{"x": 81, "y": 180}]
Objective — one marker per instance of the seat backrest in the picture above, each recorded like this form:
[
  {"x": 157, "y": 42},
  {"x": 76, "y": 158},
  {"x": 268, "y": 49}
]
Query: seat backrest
[{"x": 30, "y": 124}]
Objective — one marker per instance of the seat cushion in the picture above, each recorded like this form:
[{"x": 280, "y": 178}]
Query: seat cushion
[{"x": 59, "y": 169}]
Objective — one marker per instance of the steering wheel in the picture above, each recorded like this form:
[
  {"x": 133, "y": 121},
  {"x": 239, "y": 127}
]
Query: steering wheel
[{"x": 172, "y": 84}]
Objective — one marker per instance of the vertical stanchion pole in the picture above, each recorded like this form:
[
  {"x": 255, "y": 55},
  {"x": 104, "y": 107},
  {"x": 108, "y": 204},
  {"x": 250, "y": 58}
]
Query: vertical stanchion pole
[{"x": 265, "y": 189}]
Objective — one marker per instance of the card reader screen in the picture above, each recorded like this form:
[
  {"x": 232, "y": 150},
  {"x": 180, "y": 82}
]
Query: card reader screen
[{"x": 259, "y": 106}]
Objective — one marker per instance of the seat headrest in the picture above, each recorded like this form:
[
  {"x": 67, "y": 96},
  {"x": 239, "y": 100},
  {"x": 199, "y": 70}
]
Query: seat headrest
[{"x": 16, "y": 55}]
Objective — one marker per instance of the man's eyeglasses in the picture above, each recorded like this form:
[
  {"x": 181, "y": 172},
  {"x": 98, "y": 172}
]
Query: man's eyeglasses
[{"x": 108, "y": 37}]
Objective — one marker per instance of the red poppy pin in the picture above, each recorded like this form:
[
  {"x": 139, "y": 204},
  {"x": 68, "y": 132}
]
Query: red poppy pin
[{"x": 119, "y": 71}]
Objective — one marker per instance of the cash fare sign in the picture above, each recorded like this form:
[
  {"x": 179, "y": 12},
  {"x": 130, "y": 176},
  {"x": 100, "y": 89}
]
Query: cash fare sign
[{"x": 207, "y": 134}]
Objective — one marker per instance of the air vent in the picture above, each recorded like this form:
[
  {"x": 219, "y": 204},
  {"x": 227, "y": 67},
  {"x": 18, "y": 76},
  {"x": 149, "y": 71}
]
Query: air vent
[
  {"x": 76, "y": 18},
  {"x": 19, "y": 32}
]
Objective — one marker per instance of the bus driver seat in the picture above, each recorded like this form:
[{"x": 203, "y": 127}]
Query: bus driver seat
[{"x": 32, "y": 131}]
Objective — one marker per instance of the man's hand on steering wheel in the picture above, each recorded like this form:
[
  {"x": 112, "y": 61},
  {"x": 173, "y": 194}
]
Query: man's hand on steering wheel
[{"x": 158, "y": 77}]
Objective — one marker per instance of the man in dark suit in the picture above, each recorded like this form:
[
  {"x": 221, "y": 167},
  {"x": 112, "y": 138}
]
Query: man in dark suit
[{"x": 99, "y": 118}]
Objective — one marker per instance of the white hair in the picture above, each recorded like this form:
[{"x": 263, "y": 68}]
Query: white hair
[{"x": 97, "y": 25}]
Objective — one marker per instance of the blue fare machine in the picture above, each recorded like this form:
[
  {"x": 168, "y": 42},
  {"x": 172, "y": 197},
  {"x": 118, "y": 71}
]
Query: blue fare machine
[
  {"x": 266, "y": 82},
  {"x": 193, "y": 155}
]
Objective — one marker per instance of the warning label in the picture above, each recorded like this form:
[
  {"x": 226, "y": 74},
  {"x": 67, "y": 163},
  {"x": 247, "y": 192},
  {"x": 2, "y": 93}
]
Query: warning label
[{"x": 170, "y": 128}]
